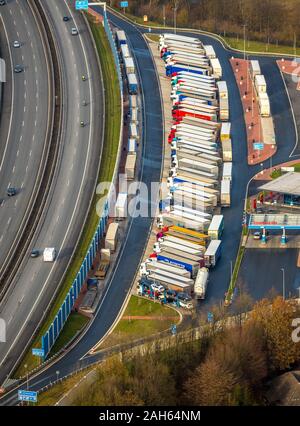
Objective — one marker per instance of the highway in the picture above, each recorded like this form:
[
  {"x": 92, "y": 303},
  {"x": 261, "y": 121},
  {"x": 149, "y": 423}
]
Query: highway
[
  {"x": 35, "y": 285},
  {"x": 151, "y": 163},
  {"x": 25, "y": 118}
]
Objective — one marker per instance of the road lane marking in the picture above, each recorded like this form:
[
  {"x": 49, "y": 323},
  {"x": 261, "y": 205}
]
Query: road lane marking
[{"x": 8, "y": 222}]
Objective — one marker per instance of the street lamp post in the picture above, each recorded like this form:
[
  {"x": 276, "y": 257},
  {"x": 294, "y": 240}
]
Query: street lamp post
[
  {"x": 57, "y": 375},
  {"x": 244, "y": 41},
  {"x": 283, "y": 283},
  {"x": 175, "y": 12}
]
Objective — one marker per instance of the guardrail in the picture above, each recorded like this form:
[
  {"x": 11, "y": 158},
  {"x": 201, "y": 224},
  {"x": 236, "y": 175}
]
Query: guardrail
[{"x": 51, "y": 335}]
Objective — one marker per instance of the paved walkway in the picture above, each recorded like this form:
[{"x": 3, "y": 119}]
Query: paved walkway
[
  {"x": 145, "y": 317},
  {"x": 251, "y": 113},
  {"x": 292, "y": 68}
]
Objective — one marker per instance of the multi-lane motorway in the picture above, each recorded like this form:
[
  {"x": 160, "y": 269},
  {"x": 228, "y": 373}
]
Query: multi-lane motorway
[
  {"x": 27, "y": 114},
  {"x": 73, "y": 189},
  {"x": 150, "y": 172}
]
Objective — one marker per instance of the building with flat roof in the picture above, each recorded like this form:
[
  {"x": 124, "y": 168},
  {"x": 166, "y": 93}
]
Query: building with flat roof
[{"x": 288, "y": 185}]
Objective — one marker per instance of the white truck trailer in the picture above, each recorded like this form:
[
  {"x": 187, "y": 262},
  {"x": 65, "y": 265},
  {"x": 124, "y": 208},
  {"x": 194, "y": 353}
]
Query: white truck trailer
[{"x": 201, "y": 282}]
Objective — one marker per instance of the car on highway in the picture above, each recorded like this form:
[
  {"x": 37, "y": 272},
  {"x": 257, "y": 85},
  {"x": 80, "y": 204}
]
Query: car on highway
[
  {"x": 17, "y": 43},
  {"x": 11, "y": 191},
  {"x": 18, "y": 68},
  {"x": 66, "y": 18},
  {"x": 158, "y": 287},
  {"x": 74, "y": 31},
  {"x": 34, "y": 253},
  {"x": 257, "y": 235}
]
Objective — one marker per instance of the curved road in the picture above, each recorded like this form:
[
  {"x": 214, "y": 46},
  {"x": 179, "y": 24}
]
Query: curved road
[
  {"x": 35, "y": 285},
  {"x": 24, "y": 123},
  {"x": 151, "y": 164}
]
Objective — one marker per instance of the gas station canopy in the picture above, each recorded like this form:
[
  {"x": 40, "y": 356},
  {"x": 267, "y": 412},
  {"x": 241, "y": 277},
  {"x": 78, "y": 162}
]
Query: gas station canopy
[
  {"x": 289, "y": 183},
  {"x": 274, "y": 221}
]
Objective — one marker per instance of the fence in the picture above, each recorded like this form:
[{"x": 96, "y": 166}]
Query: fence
[{"x": 63, "y": 313}]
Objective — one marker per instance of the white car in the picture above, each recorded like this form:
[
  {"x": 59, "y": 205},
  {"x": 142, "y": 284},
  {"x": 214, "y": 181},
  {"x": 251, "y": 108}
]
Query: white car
[
  {"x": 158, "y": 287},
  {"x": 74, "y": 31},
  {"x": 17, "y": 43}
]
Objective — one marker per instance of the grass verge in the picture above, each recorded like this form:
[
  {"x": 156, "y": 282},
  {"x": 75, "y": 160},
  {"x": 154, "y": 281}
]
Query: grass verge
[
  {"x": 108, "y": 160},
  {"x": 53, "y": 395},
  {"x": 129, "y": 329},
  {"x": 258, "y": 46},
  {"x": 235, "y": 274}
]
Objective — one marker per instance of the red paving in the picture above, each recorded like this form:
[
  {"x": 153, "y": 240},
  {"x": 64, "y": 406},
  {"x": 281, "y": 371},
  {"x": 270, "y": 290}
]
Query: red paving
[
  {"x": 290, "y": 67},
  {"x": 251, "y": 113}
]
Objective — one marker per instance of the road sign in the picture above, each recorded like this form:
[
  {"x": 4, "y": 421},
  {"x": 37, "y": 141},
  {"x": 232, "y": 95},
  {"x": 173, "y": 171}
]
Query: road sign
[
  {"x": 124, "y": 4},
  {"x": 82, "y": 5},
  {"x": 258, "y": 146},
  {"x": 210, "y": 317},
  {"x": 29, "y": 396},
  {"x": 38, "y": 352},
  {"x": 174, "y": 329}
]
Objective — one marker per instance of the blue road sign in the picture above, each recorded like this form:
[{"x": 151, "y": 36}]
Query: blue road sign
[
  {"x": 174, "y": 329},
  {"x": 210, "y": 317},
  {"x": 124, "y": 4},
  {"x": 27, "y": 396},
  {"x": 258, "y": 146},
  {"x": 82, "y": 5},
  {"x": 38, "y": 352}
]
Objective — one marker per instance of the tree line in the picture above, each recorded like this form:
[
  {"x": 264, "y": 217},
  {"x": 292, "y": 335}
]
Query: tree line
[
  {"x": 269, "y": 21},
  {"x": 228, "y": 366}
]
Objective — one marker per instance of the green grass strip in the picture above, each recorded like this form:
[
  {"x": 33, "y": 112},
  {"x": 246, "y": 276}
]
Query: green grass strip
[
  {"x": 109, "y": 156},
  {"x": 235, "y": 274}
]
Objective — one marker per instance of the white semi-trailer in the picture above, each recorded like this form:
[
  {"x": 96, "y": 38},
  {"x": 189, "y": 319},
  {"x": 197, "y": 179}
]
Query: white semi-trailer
[{"x": 201, "y": 283}]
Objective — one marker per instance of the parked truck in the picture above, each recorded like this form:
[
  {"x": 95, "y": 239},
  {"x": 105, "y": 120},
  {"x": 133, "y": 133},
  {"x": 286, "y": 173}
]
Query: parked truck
[
  {"x": 165, "y": 245},
  {"x": 210, "y": 51},
  {"x": 191, "y": 266},
  {"x": 186, "y": 234},
  {"x": 227, "y": 171},
  {"x": 260, "y": 83},
  {"x": 254, "y": 69},
  {"x": 225, "y": 193},
  {"x": 216, "y": 227},
  {"x": 216, "y": 68},
  {"x": 130, "y": 165},
  {"x": 225, "y": 132},
  {"x": 264, "y": 104},
  {"x": 170, "y": 218},
  {"x": 112, "y": 235},
  {"x": 171, "y": 69},
  {"x": 223, "y": 90},
  {"x": 227, "y": 150},
  {"x": 132, "y": 84},
  {"x": 121, "y": 38},
  {"x": 129, "y": 65},
  {"x": 213, "y": 253},
  {"x": 121, "y": 206},
  {"x": 201, "y": 283},
  {"x": 154, "y": 264},
  {"x": 224, "y": 109}
]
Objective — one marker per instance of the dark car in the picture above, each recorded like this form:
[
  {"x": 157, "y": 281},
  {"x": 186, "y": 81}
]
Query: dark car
[
  {"x": 11, "y": 191},
  {"x": 66, "y": 18},
  {"x": 34, "y": 253},
  {"x": 18, "y": 68},
  {"x": 2, "y": 2}
]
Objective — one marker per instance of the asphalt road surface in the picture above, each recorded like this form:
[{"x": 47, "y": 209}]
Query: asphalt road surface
[
  {"x": 37, "y": 281},
  {"x": 24, "y": 117},
  {"x": 134, "y": 244},
  {"x": 260, "y": 273}
]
